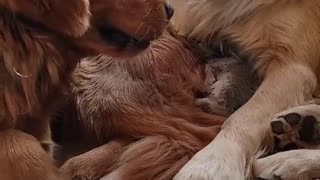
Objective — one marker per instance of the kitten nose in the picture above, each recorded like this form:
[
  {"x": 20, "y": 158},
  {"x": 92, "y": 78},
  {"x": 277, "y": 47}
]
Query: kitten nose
[{"x": 169, "y": 10}]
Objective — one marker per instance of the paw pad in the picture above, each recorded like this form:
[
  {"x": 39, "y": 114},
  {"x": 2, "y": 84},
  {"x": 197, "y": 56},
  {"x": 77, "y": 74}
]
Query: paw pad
[
  {"x": 277, "y": 127},
  {"x": 293, "y": 118},
  {"x": 307, "y": 131},
  {"x": 295, "y": 128}
]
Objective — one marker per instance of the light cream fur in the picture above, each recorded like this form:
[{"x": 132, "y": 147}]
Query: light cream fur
[
  {"x": 290, "y": 165},
  {"x": 281, "y": 38}
]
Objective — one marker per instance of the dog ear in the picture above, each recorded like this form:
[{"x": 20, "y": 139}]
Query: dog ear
[{"x": 71, "y": 17}]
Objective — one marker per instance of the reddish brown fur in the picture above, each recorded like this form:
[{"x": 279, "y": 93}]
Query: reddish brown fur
[
  {"x": 41, "y": 42},
  {"x": 148, "y": 100}
]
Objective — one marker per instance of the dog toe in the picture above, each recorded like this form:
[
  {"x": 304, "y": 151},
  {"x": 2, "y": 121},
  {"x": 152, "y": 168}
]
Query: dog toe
[
  {"x": 277, "y": 127},
  {"x": 309, "y": 130},
  {"x": 292, "y": 118}
]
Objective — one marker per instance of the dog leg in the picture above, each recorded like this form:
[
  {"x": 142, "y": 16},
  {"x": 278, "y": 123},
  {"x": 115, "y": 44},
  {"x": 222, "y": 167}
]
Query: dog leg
[
  {"x": 95, "y": 163},
  {"x": 151, "y": 158},
  {"x": 290, "y": 165},
  {"x": 23, "y": 158},
  {"x": 242, "y": 135},
  {"x": 142, "y": 125}
]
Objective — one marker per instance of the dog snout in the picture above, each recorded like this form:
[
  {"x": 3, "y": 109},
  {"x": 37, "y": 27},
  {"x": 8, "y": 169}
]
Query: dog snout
[{"x": 169, "y": 10}]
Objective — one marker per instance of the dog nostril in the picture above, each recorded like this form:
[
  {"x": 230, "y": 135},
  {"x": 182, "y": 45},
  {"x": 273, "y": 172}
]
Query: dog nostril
[{"x": 169, "y": 10}]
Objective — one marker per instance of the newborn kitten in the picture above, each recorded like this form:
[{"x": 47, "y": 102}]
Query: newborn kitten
[{"x": 231, "y": 83}]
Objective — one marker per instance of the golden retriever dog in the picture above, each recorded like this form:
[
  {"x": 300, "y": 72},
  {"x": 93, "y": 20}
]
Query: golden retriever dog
[
  {"x": 141, "y": 111},
  {"x": 281, "y": 40},
  {"x": 41, "y": 42}
]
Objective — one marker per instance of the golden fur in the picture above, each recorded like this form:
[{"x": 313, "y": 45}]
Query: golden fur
[
  {"x": 281, "y": 39},
  {"x": 41, "y": 41},
  {"x": 143, "y": 110}
]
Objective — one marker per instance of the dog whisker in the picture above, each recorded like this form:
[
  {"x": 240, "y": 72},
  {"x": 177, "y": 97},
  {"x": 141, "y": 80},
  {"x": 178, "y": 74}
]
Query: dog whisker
[
  {"x": 141, "y": 24},
  {"x": 165, "y": 20},
  {"x": 20, "y": 74},
  {"x": 148, "y": 12},
  {"x": 160, "y": 6}
]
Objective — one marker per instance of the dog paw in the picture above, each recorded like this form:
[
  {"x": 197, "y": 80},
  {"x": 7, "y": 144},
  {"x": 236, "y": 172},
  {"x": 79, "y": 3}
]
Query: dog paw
[
  {"x": 288, "y": 165},
  {"x": 299, "y": 126},
  {"x": 271, "y": 168}
]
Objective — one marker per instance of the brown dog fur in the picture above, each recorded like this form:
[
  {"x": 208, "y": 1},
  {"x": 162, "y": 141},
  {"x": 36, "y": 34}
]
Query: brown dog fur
[
  {"x": 146, "y": 102},
  {"x": 41, "y": 41}
]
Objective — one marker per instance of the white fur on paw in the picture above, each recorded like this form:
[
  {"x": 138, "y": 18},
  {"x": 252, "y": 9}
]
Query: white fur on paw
[{"x": 289, "y": 165}]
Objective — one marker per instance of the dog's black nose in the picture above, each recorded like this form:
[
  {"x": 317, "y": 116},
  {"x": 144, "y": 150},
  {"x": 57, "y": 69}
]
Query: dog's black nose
[{"x": 169, "y": 9}]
